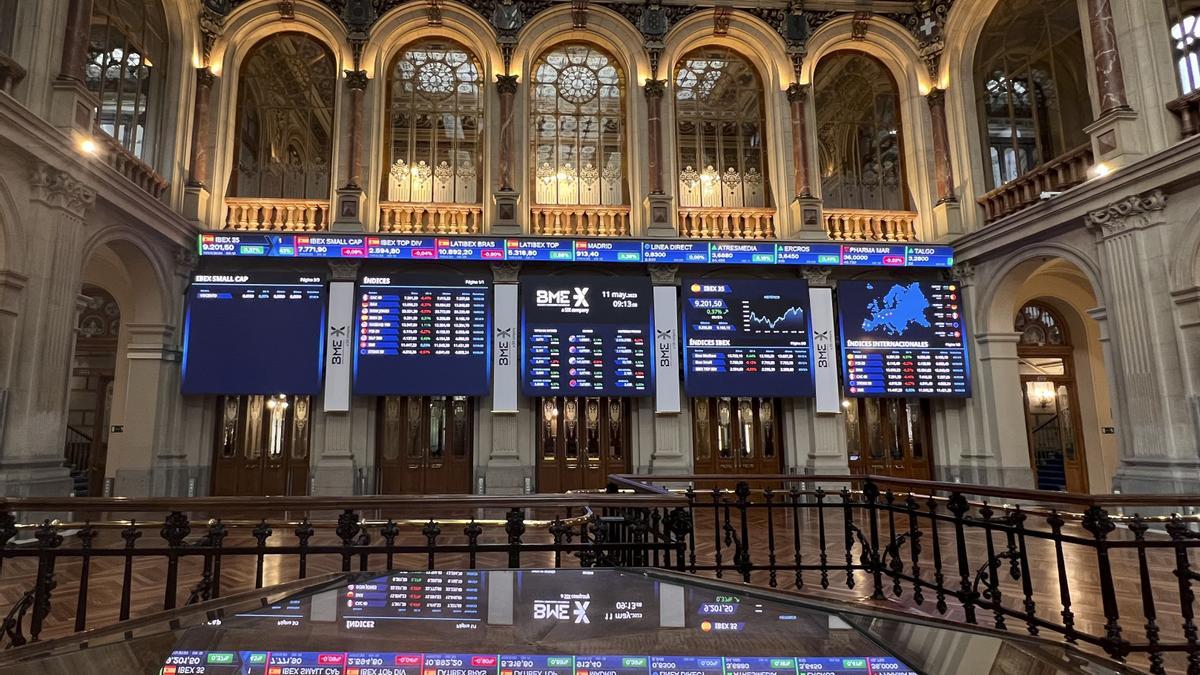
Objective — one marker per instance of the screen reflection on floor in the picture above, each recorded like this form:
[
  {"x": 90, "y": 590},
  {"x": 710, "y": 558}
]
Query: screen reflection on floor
[{"x": 526, "y": 622}]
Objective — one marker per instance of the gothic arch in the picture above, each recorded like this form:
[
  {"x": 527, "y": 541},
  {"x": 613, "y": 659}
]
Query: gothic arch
[{"x": 892, "y": 45}]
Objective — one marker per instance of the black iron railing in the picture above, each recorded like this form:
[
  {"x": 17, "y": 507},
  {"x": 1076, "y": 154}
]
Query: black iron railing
[{"x": 1077, "y": 565}]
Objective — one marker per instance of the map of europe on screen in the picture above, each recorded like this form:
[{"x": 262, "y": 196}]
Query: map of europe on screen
[{"x": 903, "y": 338}]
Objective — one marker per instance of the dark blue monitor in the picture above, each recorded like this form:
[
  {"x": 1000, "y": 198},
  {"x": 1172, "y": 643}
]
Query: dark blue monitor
[
  {"x": 903, "y": 339},
  {"x": 423, "y": 336},
  {"x": 586, "y": 336},
  {"x": 254, "y": 333},
  {"x": 747, "y": 337}
]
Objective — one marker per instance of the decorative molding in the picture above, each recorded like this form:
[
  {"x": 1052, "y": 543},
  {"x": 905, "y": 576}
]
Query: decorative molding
[
  {"x": 212, "y": 26},
  {"x": 343, "y": 270},
  {"x": 60, "y": 190},
  {"x": 721, "y": 16},
  {"x": 816, "y": 276},
  {"x": 858, "y": 29},
  {"x": 356, "y": 80},
  {"x": 1133, "y": 212},
  {"x": 186, "y": 261},
  {"x": 663, "y": 275},
  {"x": 204, "y": 78},
  {"x": 655, "y": 88},
  {"x": 505, "y": 272},
  {"x": 287, "y": 9},
  {"x": 433, "y": 10},
  {"x": 964, "y": 272},
  {"x": 579, "y": 13},
  {"x": 506, "y": 84},
  {"x": 797, "y": 92}
]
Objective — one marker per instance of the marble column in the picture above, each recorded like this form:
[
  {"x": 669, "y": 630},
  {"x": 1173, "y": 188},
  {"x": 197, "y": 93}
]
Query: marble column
[
  {"x": 350, "y": 196},
  {"x": 198, "y": 162},
  {"x": 942, "y": 166},
  {"x": 504, "y": 445},
  {"x": 797, "y": 94},
  {"x": 75, "y": 40},
  {"x": 1155, "y": 424},
  {"x": 506, "y": 195},
  {"x": 332, "y": 463},
  {"x": 654, "y": 94},
  {"x": 31, "y": 450},
  {"x": 1106, "y": 57}
]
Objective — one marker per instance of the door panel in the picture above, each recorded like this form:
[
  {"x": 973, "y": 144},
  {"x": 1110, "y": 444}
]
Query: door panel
[
  {"x": 424, "y": 445},
  {"x": 581, "y": 440},
  {"x": 1055, "y": 446},
  {"x": 889, "y": 437},
  {"x": 736, "y": 435},
  {"x": 262, "y": 445}
]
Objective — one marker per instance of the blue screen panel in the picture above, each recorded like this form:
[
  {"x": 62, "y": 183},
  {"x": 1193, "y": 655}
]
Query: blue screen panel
[
  {"x": 586, "y": 336},
  {"x": 426, "y": 336},
  {"x": 747, "y": 337},
  {"x": 903, "y": 338},
  {"x": 254, "y": 333}
]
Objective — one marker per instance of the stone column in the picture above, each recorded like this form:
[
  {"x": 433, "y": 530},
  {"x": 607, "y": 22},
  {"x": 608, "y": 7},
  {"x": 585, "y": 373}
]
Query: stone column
[
  {"x": 1155, "y": 424},
  {"x": 671, "y": 433},
  {"x": 505, "y": 459},
  {"x": 942, "y": 167},
  {"x": 331, "y": 456},
  {"x": 507, "y": 195},
  {"x": 1106, "y": 57},
  {"x": 348, "y": 214},
  {"x": 72, "y": 105},
  {"x": 824, "y": 434},
  {"x": 659, "y": 200},
  {"x": 807, "y": 217},
  {"x": 31, "y": 450},
  {"x": 196, "y": 191}
]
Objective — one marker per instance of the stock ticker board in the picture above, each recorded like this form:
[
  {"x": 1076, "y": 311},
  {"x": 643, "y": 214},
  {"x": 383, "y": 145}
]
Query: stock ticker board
[
  {"x": 535, "y": 249},
  {"x": 254, "y": 333},
  {"x": 747, "y": 338},
  {"x": 904, "y": 338},
  {"x": 586, "y": 336},
  {"x": 423, "y": 336}
]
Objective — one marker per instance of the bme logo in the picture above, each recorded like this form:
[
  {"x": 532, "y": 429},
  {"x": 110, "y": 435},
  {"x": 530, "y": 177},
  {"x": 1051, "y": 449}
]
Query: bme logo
[
  {"x": 560, "y": 610},
  {"x": 337, "y": 340},
  {"x": 564, "y": 298},
  {"x": 503, "y": 345}
]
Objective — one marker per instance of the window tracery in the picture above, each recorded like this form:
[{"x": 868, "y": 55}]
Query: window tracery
[
  {"x": 436, "y": 111},
  {"x": 719, "y": 130},
  {"x": 577, "y": 127},
  {"x": 1040, "y": 326},
  {"x": 285, "y": 119},
  {"x": 1184, "y": 17},
  {"x": 128, "y": 38}
]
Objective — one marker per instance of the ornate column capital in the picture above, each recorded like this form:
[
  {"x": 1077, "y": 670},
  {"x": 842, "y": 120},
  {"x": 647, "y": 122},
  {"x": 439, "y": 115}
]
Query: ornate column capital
[
  {"x": 506, "y": 84},
  {"x": 663, "y": 275},
  {"x": 816, "y": 276},
  {"x": 936, "y": 97},
  {"x": 655, "y": 88},
  {"x": 1132, "y": 212},
  {"x": 964, "y": 272},
  {"x": 505, "y": 272},
  {"x": 186, "y": 260},
  {"x": 343, "y": 270},
  {"x": 58, "y": 189},
  {"x": 356, "y": 80},
  {"x": 797, "y": 92},
  {"x": 204, "y": 78}
]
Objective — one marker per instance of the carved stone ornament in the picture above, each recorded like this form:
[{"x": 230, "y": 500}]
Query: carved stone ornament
[
  {"x": 655, "y": 88},
  {"x": 212, "y": 25},
  {"x": 663, "y": 275},
  {"x": 356, "y": 80},
  {"x": 505, "y": 272},
  {"x": 652, "y": 21},
  {"x": 343, "y": 270},
  {"x": 964, "y": 272},
  {"x": 797, "y": 92},
  {"x": 858, "y": 29},
  {"x": 60, "y": 190},
  {"x": 1129, "y": 213},
  {"x": 506, "y": 84},
  {"x": 204, "y": 78},
  {"x": 721, "y": 20},
  {"x": 816, "y": 276},
  {"x": 186, "y": 260},
  {"x": 287, "y": 9},
  {"x": 433, "y": 10},
  {"x": 579, "y": 13}
]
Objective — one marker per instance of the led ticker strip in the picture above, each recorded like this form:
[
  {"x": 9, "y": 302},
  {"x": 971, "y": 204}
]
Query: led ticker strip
[{"x": 532, "y": 249}]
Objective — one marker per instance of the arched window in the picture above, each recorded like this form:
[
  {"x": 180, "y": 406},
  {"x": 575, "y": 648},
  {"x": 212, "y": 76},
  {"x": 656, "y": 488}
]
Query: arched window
[
  {"x": 1040, "y": 326},
  {"x": 577, "y": 111},
  {"x": 858, "y": 127},
  {"x": 1185, "y": 42},
  {"x": 1032, "y": 84},
  {"x": 719, "y": 130},
  {"x": 126, "y": 55},
  {"x": 285, "y": 119},
  {"x": 436, "y": 111}
]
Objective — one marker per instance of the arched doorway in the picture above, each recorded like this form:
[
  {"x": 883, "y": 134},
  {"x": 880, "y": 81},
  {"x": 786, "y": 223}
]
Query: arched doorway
[
  {"x": 1051, "y": 399},
  {"x": 90, "y": 404}
]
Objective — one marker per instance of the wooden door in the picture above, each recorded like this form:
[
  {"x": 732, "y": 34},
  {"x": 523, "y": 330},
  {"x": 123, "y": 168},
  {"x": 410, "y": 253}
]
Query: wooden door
[
  {"x": 98, "y": 453},
  {"x": 736, "y": 436},
  {"x": 262, "y": 445},
  {"x": 1052, "y": 424},
  {"x": 581, "y": 440},
  {"x": 889, "y": 437},
  {"x": 424, "y": 445}
]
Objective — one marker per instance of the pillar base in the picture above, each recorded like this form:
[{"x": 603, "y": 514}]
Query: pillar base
[
  {"x": 72, "y": 107},
  {"x": 45, "y": 477},
  {"x": 947, "y": 219},
  {"x": 348, "y": 207},
  {"x": 507, "y": 219},
  {"x": 333, "y": 476},
  {"x": 1117, "y": 139},
  {"x": 1157, "y": 475},
  {"x": 809, "y": 220},
  {"x": 195, "y": 204},
  {"x": 986, "y": 474},
  {"x": 661, "y": 222}
]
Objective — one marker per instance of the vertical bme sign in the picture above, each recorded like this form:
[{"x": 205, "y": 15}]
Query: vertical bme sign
[
  {"x": 666, "y": 350},
  {"x": 504, "y": 349},
  {"x": 339, "y": 343}
]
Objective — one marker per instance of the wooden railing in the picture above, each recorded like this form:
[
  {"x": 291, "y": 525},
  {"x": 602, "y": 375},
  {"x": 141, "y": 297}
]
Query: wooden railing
[
  {"x": 302, "y": 215},
  {"x": 127, "y": 164},
  {"x": 1187, "y": 109},
  {"x": 601, "y": 221},
  {"x": 1057, "y": 175},
  {"x": 855, "y": 225},
  {"x": 409, "y": 218},
  {"x": 707, "y": 222}
]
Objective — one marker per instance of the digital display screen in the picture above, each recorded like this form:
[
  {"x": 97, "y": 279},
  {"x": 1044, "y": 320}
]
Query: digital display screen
[
  {"x": 241, "y": 662},
  {"x": 254, "y": 333},
  {"x": 586, "y": 336},
  {"x": 903, "y": 338},
  {"x": 535, "y": 249},
  {"x": 430, "y": 596},
  {"x": 747, "y": 337},
  {"x": 429, "y": 337}
]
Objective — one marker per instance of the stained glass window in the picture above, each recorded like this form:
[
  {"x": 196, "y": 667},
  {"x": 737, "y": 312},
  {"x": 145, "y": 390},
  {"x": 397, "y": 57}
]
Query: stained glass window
[
  {"x": 858, "y": 131},
  {"x": 1040, "y": 326},
  {"x": 577, "y": 112},
  {"x": 285, "y": 118},
  {"x": 1032, "y": 86},
  {"x": 126, "y": 52},
  {"x": 436, "y": 112},
  {"x": 719, "y": 130}
]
